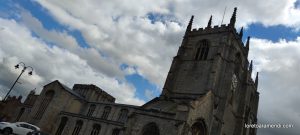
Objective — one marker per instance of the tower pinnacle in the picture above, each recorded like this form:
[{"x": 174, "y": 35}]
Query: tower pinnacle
[
  {"x": 189, "y": 27},
  {"x": 251, "y": 67},
  {"x": 209, "y": 22},
  {"x": 241, "y": 33},
  {"x": 233, "y": 17},
  {"x": 256, "y": 80},
  {"x": 247, "y": 43}
]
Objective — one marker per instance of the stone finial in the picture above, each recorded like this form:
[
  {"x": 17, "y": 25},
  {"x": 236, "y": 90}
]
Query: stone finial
[
  {"x": 209, "y": 22},
  {"x": 233, "y": 17},
  {"x": 256, "y": 80},
  {"x": 247, "y": 43},
  {"x": 247, "y": 46},
  {"x": 241, "y": 33},
  {"x": 189, "y": 27},
  {"x": 251, "y": 67}
]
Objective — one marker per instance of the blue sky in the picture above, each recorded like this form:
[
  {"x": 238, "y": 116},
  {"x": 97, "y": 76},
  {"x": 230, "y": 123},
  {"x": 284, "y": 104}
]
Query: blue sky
[
  {"x": 127, "y": 50},
  {"x": 47, "y": 20},
  {"x": 273, "y": 33}
]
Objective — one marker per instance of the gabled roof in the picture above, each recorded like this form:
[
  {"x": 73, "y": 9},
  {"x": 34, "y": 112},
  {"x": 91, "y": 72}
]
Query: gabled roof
[
  {"x": 115, "y": 104},
  {"x": 67, "y": 89},
  {"x": 92, "y": 87}
]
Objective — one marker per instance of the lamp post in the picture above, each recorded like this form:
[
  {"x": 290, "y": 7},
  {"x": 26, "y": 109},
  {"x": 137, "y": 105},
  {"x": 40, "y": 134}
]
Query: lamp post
[{"x": 23, "y": 70}]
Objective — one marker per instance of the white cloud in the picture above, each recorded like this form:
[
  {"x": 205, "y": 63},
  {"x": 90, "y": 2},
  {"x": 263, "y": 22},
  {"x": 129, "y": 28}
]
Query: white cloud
[
  {"x": 68, "y": 42},
  {"x": 51, "y": 63},
  {"x": 278, "y": 64},
  {"x": 131, "y": 39}
]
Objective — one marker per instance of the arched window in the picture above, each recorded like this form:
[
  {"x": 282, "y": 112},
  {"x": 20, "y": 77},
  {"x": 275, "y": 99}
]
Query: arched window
[
  {"x": 96, "y": 129},
  {"x": 199, "y": 128},
  {"x": 43, "y": 106},
  {"x": 233, "y": 88},
  {"x": 106, "y": 112},
  {"x": 251, "y": 97},
  {"x": 150, "y": 129},
  {"x": 20, "y": 114},
  {"x": 202, "y": 50},
  {"x": 116, "y": 131},
  {"x": 61, "y": 126},
  {"x": 123, "y": 115},
  {"x": 238, "y": 63},
  {"x": 91, "y": 110},
  {"x": 77, "y": 127}
]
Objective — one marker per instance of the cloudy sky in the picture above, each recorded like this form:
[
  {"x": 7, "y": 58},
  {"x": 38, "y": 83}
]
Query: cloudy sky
[{"x": 126, "y": 47}]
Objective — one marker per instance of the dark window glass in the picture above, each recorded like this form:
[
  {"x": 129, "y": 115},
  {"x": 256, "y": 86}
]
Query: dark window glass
[
  {"x": 61, "y": 126},
  {"x": 77, "y": 127},
  {"x": 202, "y": 50},
  {"x": 123, "y": 115},
  {"x": 96, "y": 129},
  {"x": 116, "y": 131},
  {"x": 199, "y": 128},
  {"x": 91, "y": 110},
  {"x": 238, "y": 63},
  {"x": 150, "y": 129},
  {"x": 106, "y": 112}
]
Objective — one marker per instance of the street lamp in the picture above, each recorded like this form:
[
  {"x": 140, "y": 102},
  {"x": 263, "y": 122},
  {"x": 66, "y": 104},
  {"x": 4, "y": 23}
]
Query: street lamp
[{"x": 23, "y": 70}]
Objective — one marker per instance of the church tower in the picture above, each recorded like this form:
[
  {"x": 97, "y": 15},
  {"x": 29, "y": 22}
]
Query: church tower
[{"x": 212, "y": 73}]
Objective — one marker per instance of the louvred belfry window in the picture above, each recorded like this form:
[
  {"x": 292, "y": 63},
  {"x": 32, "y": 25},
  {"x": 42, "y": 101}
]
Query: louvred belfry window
[{"x": 202, "y": 50}]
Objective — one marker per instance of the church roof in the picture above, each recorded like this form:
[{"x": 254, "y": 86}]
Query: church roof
[
  {"x": 67, "y": 89},
  {"x": 72, "y": 91}
]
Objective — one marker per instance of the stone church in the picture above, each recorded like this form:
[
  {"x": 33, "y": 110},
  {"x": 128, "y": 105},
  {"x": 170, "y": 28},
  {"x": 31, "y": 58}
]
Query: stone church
[{"x": 208, "y": 91}]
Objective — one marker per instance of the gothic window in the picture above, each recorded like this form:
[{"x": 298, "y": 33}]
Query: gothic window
[
  {"x": 106, "y": 112},
  {"x": 116, "y": 131},
  {"x": 123, "y": 115},
  {"x": 43, "y": 106},
  {"x": 150, "y": 129},
  {"x": 91, "y": 110},
  {"x": 231, "y": 97},
  {"x": 251, "y": 97},
  {"x": 61, "y": 126},
  {"x": 238, "y": 62},
  {"x": 199, "y": 128},
  {"x": 77, "y": 127},
  {"x": 20, "y": 114},
  {"x": 96, "y": 129},
  {"x": 202, "y": 50},
  {"x": 233, "y": 87},
  {"x": 234, "y": 82}
]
